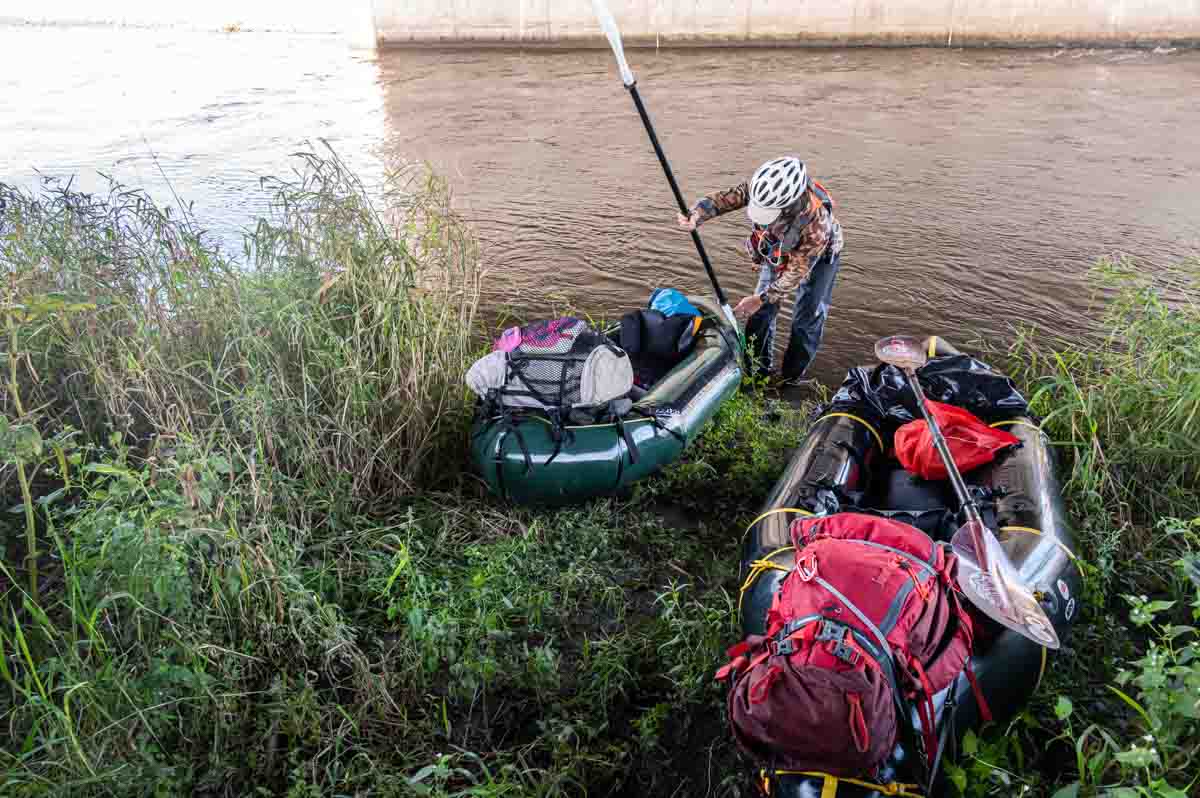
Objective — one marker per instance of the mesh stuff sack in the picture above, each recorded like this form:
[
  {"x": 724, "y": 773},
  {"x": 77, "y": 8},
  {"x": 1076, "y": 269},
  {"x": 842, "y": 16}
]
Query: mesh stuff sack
[{"x": 556, "y": 366}]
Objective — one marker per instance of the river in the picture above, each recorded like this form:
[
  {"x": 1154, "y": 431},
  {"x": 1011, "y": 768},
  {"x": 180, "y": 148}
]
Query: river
[{"x": 974, "y": 187}]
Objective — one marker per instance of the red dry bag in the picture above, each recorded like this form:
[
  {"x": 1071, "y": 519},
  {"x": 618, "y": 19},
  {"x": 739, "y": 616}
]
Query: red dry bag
[{"x": 972, "y": 443}]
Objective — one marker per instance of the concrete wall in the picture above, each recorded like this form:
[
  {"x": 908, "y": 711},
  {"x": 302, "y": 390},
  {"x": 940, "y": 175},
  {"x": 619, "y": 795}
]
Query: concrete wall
[{"x": 938, "y": 22}]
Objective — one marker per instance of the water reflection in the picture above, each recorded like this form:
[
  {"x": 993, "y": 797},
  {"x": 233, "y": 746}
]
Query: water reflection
[
  {"x": 198, "y": 115},
  {"x": 974, "y": 187}
]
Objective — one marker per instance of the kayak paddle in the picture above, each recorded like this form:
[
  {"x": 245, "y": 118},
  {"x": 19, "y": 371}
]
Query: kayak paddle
[
  {"x": 986, "y": 575},
  {"x": 609, "y": 26}
]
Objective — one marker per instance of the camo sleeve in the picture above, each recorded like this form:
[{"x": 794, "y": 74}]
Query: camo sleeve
[
  {"x": 713, "y": 205},
  {"x": 822, "y": 235},
  {"x": 784, "y": 282}
]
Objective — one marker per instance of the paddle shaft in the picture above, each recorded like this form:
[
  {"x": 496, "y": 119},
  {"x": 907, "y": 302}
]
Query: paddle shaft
[
  {"x": 939, "y": 442},
  {"x": 683, "y": 208},
  {"x": 984, "y": 584}
]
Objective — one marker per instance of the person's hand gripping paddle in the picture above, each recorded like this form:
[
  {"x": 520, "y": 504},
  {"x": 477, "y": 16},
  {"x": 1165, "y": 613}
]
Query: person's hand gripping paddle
[{"x": 986, "y": 575}]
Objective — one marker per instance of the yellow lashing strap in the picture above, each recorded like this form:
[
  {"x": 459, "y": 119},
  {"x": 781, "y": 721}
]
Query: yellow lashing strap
[
  {"x": 1015, "y": 422},
  {"x": 1041, "y": 671},
  {"x": 875, "y": 432},
  {"x": 758, "y": 566},
  {"x": 757, "y": 569},
  {"x": 1031, "y": 531},
  {"x": 831, "y": 784},
  {"x": 933, "y": 346},
  {"x": 765, "y": 564},
  {"x": 778, "y": 510}
]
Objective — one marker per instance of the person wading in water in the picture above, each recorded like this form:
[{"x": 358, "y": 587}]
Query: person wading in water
[{"x": 797, "y": 243}]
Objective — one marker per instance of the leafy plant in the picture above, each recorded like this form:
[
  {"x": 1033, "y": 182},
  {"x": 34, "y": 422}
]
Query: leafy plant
[{"x": 1161, "y": 761}]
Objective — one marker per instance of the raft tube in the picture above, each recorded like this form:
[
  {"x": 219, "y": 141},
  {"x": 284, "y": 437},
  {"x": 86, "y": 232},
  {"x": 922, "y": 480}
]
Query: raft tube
[
  {"x": 843, "y": 455},
  {"x": 522, "y": 462}
]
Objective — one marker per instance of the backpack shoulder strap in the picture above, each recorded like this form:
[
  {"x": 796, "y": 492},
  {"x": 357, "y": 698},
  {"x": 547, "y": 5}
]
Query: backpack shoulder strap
[{"x": 823, "y": 195}]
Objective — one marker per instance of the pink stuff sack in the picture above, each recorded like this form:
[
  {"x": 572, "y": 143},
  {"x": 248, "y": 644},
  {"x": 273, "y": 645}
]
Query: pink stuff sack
[{"x": 509, "y": 340}]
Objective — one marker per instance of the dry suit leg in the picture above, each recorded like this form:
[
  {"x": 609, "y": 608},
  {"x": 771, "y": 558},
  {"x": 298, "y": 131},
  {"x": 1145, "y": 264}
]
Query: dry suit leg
[{"x": 760, "y": 328}]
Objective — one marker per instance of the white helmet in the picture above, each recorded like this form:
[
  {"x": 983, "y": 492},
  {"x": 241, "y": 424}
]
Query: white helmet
[{"x": 776, "y": 185}]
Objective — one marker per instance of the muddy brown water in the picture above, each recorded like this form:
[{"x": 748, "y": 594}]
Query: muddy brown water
[{"x": 974, "y": 187}]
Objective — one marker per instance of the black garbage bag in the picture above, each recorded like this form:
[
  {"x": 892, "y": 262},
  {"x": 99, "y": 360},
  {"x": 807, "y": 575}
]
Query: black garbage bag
[{"x": 881, "y": 395}]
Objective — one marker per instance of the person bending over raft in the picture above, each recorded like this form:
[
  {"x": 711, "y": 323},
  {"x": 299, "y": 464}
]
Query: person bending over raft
[{"x": 796, "y": 242}]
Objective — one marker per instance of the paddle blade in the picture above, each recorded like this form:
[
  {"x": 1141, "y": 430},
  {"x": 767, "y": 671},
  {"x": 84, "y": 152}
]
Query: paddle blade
[
  {"x": 733, "y": 322},
  {"x": 609, "y": 26},
  {"x": 992, "y": 584},
  {"x": 903, "y": 351}
]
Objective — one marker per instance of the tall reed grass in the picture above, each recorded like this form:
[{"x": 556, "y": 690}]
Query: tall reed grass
[
  {"x": 194, "y": 444},
  {"x": 1126, "y": 413},
  {"x": 334, "y": 354}
]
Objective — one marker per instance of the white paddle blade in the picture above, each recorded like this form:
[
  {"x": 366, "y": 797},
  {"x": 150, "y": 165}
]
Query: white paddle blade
[
  {"x": 996, "y": 589},
  {"x": 903, "y": 351},
  {"x": 733, "y": 322},
  {"x": 609, "y": 26}
]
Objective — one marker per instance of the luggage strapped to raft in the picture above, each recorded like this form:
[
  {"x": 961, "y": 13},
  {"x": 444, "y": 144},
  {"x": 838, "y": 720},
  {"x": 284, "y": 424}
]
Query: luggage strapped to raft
[
  {"x": 562, "y": 369},
  {"x": 572, "y": 375},
  {"x": 831, "y": 785},
  {"x": 808, "y": 630}
]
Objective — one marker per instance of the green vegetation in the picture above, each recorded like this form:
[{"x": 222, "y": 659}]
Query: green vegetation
[
  {"x": 1126, "y": 706},
  {"x": 1120, "y": 716},
  {"x": 245, "y": 557}
]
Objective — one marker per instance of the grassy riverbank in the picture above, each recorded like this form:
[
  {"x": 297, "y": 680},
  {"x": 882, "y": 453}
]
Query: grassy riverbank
[{"x": 246, "y": 557}]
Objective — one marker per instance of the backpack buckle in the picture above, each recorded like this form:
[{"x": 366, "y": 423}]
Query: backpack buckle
[
  {"x": 829, "y": 630},
  {"x": 785, "y": 647},
  {"x": 846, "y": 653},
  {"x": 836, "y": 633}
]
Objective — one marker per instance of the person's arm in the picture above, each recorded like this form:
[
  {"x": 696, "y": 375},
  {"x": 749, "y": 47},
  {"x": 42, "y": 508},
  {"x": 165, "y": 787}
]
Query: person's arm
[
  {"x": 785, "y": 283},
  {"x": 713, "y": 205},
  {"x": 817, "y": 237}
]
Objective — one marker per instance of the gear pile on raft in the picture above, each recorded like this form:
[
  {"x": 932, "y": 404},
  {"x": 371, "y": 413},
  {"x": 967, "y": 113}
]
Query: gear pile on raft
[
  {"x": 863, "y": 664},
  {"x": 867, "y": 652},
  {"x": 567, "y": 411}
]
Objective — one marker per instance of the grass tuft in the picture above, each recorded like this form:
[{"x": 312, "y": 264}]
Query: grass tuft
[{"x": 246, "y": 558}]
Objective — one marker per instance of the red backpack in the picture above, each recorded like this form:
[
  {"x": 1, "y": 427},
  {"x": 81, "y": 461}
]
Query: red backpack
[{"x": 867, "y": 621}]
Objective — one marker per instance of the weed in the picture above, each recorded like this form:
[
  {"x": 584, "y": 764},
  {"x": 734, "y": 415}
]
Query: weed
[
  {"x": 244, "y": 554},
  {"x": 1123, "y": 414}
]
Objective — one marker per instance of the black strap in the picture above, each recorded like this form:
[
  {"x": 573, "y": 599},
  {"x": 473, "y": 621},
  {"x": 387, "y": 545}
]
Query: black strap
[
  {"x": 560, "y": 434},
  {"x": 854, "y": 455},
  {"x": 624, "y": 434},
  {"x": 511, "y": 426},
  {"x": 500, "y": 463},
  {"x": 948, "y": 732}
]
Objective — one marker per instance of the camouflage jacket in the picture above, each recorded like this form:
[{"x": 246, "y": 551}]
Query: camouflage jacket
[{"x": 804, "y": 235}]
